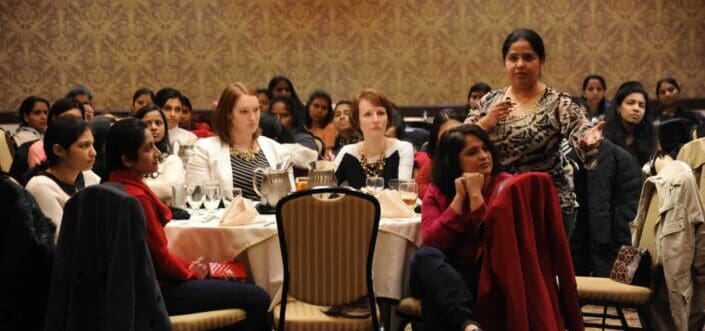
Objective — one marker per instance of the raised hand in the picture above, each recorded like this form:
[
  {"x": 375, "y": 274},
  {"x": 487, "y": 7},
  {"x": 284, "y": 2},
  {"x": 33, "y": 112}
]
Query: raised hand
[{"x": 592, "y": 136}]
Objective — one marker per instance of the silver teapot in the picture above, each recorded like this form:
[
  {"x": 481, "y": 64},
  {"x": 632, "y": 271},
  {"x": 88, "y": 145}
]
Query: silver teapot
[{"x": 275, "y": 185}]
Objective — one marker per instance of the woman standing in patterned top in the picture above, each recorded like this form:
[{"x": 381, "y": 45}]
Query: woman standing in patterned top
[{"x": 527, "y": 120}]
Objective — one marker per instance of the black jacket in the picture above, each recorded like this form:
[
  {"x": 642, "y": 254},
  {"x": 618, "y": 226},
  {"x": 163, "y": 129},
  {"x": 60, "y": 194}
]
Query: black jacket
[
  {"x": 103, "y": 276},
  {"x": 608, "y": 196},
  {"x": 26, "y": 252}
]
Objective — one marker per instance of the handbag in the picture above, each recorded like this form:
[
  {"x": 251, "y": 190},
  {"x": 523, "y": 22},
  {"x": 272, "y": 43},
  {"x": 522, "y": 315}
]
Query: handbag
[
  {"x": 230, "y": 270},
  {"x": 632, "y": 266}
]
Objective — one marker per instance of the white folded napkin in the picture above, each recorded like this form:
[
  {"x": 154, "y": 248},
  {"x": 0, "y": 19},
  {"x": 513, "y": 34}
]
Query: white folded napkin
[
  {"x": 241, "y": 211},
  {"x": 392, "y": 205}
]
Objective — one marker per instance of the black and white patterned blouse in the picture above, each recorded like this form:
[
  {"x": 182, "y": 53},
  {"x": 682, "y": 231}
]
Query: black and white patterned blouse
[
  {"x": 242, "y": 174},
  {"x": 531, "y": 141}
]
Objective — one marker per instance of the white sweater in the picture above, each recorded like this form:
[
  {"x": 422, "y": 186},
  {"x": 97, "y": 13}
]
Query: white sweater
[
  {"x": 170, "y": 175},
  {"x": 51, "y": 198}
]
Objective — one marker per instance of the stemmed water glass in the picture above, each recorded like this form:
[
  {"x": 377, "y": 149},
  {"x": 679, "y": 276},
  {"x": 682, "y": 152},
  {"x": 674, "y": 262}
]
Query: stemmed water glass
[
  {"x": 195, "y": 196},
  {"x": 374, "y": 185},
  {"x": 212, "y": 200}
]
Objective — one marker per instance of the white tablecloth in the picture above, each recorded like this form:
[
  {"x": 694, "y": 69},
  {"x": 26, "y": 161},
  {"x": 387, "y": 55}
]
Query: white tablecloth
[{"x": 257, "y": 245}]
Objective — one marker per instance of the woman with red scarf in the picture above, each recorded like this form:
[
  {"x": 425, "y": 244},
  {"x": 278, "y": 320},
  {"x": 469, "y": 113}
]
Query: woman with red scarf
[{"x": 131, "y": 154}]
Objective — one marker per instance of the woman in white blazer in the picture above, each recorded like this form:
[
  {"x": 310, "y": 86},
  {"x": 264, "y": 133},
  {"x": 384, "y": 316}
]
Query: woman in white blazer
[{"x": 237, "y": 149}]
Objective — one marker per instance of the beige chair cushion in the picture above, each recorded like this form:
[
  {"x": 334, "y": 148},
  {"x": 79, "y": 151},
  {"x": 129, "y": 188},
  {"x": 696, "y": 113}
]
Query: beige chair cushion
[
  {"x": 605, "y": 290},
  {"x": 302, "y": 316},
  {"x": 410, "y": 306},
  {"x": 207, "y": 320}
]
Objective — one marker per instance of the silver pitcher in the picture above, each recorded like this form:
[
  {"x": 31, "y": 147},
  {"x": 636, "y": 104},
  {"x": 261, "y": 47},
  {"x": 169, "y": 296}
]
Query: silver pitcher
[{"x": 275, "y": 185}]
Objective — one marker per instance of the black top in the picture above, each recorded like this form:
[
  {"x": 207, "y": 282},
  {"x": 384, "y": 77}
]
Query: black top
[
  {"x": 680, "y": 112},
  {"x": 69, "y": 189},
  {"x": 242, "y": 174},
  {"x": 351, "y": 170}
]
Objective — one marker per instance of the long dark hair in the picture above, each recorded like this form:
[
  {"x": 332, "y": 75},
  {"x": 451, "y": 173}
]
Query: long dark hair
[
  {"x": 163, "y": 145},
  {"x": 63, "y": 131},
  {"x": 124, "y": 138},
  {"x": 446, "y": 160},
  {"x": 296, "y": 119},
  {"x": 602, "y": 107},
  {"x": 319, "y": 94},
  {"x": 441, "y": 118},
  {"x": 644, "y": 141},
  {"x": 27, "y": 106},
  {"x": 298, "y": 107}
]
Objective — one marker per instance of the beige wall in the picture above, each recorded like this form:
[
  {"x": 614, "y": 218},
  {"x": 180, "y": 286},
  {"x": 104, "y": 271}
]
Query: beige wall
[{"x": 418, "y": 52}]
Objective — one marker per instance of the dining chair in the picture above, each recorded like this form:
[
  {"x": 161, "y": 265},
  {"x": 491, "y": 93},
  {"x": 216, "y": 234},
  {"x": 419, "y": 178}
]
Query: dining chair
[
  {"x": 609, "y": 293},
  {"x": 7, "y": 150},
  {"x": 327, "y": 237},
  {"x": 409, "y": 311},
  {"x": 103, "y": 276}
]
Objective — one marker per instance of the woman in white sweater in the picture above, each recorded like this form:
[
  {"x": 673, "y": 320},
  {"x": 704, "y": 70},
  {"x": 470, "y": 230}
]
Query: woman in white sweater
[
  {"x": 68, "y": 144},
  {"x": 376, "y": 155},
  {"x": 237, "y": 149},
  {"x": 170, "y": 173}
]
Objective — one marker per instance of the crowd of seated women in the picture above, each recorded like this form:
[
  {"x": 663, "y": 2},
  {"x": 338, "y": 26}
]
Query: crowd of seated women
[{"x": 524, "y": 127}]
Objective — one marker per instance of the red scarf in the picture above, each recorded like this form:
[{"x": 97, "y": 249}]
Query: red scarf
[{"x": 134, "y": 185}]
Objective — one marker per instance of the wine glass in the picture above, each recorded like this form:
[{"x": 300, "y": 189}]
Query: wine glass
[
  {"x": 212, "y": 200},
  {"x": 374, "y": 184},
  {"x": 409, "y": 191},
  {"x": 230, "y": 195},
  {"x": 194, "y": 196}
]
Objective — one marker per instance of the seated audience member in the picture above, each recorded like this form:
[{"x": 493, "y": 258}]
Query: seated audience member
[
  {"x": 318, "y": 116},
  {"x": 99, "y": 126},
  {"x": 33, "y": 119},
  {"x": 476, "y": 92},
  {"x": 376, "y": 155},
  {"x": 169, "y": 100},
  {"x": 667, "y": 92},
  {"x": 608, "y": 196},
  {"x": 26, "y": 256},
  {"x": 83, "y": 96},
  {"x": 397, "y": 129},
  {"x": 264, "y": 97},
  {"x": 66, "y": 107},
  {"x": 672, "y": 134},
  {"x": 68, "y": 144},
  {"x": 626, "y": 122},
  {"x": 273, "y": 129},
  {"x": 170, "y": 173},
  {"x": 142, "y": 97},
  {"x": 193, "y": 123},
  {"x": 282, "y": 108},
  {"x": 132, "y": 155},
  {"x": 280, "y": 86},
  {"x": 341, "y": 121},
  {"x": 445, "y": 120},
  {"x": 238, "y": 149},
  {"x": 444, "y": 273},
  {"x": 594, "y": 89}
]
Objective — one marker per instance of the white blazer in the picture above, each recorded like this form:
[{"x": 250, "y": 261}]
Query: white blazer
[{"x": 211, "y": 159}]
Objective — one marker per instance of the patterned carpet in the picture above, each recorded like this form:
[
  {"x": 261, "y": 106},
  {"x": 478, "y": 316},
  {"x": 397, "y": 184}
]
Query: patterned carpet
[{"x": 630, "y": 314}]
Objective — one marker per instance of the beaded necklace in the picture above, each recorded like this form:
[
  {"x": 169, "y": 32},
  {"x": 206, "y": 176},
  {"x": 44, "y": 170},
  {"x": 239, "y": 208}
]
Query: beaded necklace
[
  {"x": 373, "y": 169},
  {"x": 248, "y": 155}
]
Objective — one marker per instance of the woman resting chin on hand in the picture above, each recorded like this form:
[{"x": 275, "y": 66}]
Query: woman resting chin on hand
[{"x": 444, "y": 273}]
